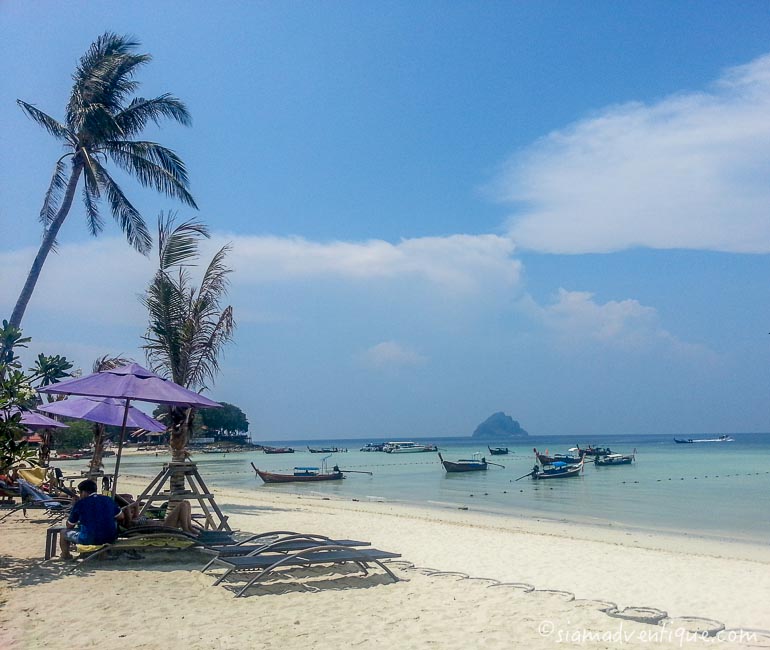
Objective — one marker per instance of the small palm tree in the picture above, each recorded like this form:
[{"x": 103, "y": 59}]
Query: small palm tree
[
  {"x": 188, "y": 327},
  {"x": 101, "y": 124},
  {"x": 46, "y": 371},
  {"x": 102, "y": 363}
]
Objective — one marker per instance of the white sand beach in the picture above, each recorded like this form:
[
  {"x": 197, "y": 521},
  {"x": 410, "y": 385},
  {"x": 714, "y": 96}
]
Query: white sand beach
[{"x": 163, "y": 601}]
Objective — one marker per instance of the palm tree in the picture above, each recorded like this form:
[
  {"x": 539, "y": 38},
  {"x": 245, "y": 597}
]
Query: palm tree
[
  {"x": 102, "y": 363},
  {"x": 187, "y": 328},
  {"x": 101, "y": 124}
]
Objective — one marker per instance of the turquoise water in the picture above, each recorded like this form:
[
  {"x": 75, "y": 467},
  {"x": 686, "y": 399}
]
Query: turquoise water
[{"x": 713, "y": 489}]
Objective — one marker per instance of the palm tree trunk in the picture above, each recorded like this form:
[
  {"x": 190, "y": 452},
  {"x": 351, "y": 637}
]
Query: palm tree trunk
[
  {"x": 45, "y": 447},
  {"x": 96, "y": 460},
  {"x": 180, "y": 436},
  {"x": 45, "y": 247}
]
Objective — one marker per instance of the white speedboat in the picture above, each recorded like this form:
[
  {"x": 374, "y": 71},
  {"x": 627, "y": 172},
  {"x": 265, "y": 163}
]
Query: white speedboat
[
  {"x": 723, "y": 438},
  {"x": 407, "y": 447}
]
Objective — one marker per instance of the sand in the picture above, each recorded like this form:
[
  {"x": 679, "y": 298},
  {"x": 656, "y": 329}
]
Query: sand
[{"x": 163, "y": 601}]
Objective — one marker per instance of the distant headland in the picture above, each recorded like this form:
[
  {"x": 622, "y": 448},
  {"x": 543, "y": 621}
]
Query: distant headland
[{"x": 499, "y": 426}]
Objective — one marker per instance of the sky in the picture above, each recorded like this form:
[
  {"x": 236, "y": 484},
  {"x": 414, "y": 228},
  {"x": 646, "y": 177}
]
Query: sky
[{"x": 437, "y": 210}]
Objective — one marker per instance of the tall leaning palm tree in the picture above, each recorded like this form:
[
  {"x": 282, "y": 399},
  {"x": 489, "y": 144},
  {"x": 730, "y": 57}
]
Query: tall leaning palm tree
[
  {"x": 188, "y": 327},
  {"x": 102, "y": 124}
]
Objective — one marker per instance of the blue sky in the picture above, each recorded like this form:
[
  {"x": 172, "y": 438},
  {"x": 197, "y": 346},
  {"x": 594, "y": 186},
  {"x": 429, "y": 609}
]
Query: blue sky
[{"x": 438, "y": 211}]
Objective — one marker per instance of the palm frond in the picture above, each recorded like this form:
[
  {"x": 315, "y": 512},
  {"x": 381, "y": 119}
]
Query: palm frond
[
  {"x": 209, "y": 341},
  {"x": 108, "y": 362},
  {"x": 178, "y": 243},
  {"x": 187, "y": 327},
  {"x": 54, "y": 194},
  {"x": 55, "y": 128},
  {"x": 215, "y": 280},
  {"x": 97, "y": 121},
  {"x": 166, "y": 303},
  {"x": 104, "y": 76},
  {"x": 140, "y": 111},
  {"x": 125, "y": 214},
  {"x": 91, "y": 197},
  {"x": 153, "y": 166}
]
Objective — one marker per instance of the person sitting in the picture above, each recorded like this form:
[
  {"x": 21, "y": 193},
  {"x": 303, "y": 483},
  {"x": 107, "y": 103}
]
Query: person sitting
[{"x": 92, "y": 520}]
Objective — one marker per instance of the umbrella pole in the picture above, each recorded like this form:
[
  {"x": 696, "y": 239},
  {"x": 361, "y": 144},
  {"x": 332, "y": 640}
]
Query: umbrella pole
[{"x": 120, "y": 449}]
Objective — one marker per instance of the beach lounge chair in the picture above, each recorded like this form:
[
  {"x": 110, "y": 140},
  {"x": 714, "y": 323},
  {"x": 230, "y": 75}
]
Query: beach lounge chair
[
  {"x": 33, "y": 498},
  {"x": 36, "y": 476},
  {"x": 204, "y": 537},
  {"x": 267, "y": 564},
  {"x": 148, "y": 542},
  {"x": 8, "y": 494},
  {"x": 158, "y": 537},
  {"x": 273, "y": 543}
]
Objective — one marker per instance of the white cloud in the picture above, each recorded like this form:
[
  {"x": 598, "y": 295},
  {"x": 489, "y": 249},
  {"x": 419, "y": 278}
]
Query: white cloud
[
  {"x": 575, "y": 317},
  {"x": 390, "y": 355},
  {"x": 456, "y": 263},
  {"x": 98, "y": 279},
  {"x": 689, "y": 171},
  {"x": 102, "y": 279}
]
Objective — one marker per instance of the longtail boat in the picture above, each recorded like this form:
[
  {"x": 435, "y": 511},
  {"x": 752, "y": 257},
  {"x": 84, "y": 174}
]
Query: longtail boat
[
  {"x": 595, "y": 452},
  {"x": 497, "y": 451},
  {"x": 301, "y": 475},
  {"x": 615, "y": 459},
  {"x": 557, "y": 469},
  {"x": 278, "y": 450},
  {"x": 545, "y": 459},
  {"x": 474, "y": 464}
]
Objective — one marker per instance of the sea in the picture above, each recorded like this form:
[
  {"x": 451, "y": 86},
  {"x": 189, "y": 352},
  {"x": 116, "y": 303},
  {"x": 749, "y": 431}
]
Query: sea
[{"x": 715, "y": 490}]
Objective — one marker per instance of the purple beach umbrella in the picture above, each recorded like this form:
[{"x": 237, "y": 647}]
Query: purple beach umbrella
[
  {"x": 130, "y": 383},
  {"x": 33, "y": 420},
  {"x": 104, "y": 410}
]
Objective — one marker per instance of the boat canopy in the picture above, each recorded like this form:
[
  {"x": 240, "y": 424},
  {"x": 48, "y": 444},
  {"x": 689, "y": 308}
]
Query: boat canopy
[
  {"x": 306, "y": 469},
  {"x": 559, "y": 463}
]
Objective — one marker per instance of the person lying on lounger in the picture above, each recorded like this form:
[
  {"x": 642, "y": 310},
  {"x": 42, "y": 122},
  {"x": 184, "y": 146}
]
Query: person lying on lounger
[
  {"x": 92, "y": 520},
  {"x": 179, "y": 517}
]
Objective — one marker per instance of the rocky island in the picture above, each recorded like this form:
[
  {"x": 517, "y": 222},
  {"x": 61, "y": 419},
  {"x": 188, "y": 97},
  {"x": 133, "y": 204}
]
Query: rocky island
[{"x": 499, "y": 426}]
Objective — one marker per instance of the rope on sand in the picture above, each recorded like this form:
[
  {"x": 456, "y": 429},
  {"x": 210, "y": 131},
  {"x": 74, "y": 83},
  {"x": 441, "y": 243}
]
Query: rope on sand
[
  {"x": 600, "y": 605},
  {"x": 448, "y": 574},
  {"x": 647, "y": 615},
  {"x": 566, "y": 596},
  {"x": 401, "y": 564},
  {"x": 696, "y": 625},
  {"x": 741, "y": 632},
  {"x": 520, "y": 586},
  {"x": 492, "y": 582}
]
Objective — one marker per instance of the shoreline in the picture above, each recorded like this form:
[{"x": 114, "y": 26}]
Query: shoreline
[{"x": 710, "y": 542}]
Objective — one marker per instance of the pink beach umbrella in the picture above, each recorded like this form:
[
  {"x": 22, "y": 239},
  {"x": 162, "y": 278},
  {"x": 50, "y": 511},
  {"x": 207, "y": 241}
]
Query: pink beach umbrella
[{"x": 130, "y": 383}]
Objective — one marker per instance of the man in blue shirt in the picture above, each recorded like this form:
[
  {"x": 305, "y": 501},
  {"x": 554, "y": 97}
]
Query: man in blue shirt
[{"x": 95, "y": 515}]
